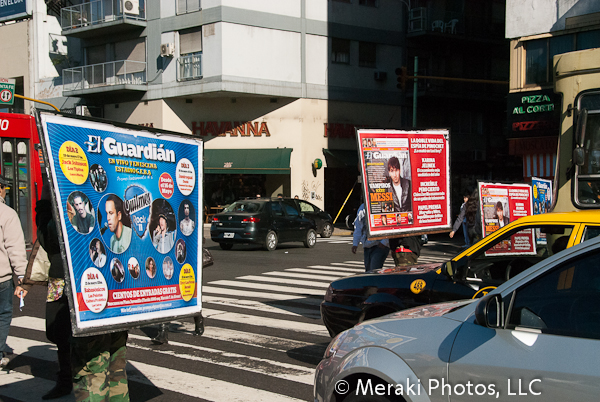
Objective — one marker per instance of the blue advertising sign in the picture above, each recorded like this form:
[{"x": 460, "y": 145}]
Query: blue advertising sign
[
  {"x": 542, "y": 195},
  {"x": 128, "y": 202},
  {"x": 11, "y": 9}
]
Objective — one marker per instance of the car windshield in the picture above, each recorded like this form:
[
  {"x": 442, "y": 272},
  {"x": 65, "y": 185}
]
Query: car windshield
[{"x": 245, "y": 206}]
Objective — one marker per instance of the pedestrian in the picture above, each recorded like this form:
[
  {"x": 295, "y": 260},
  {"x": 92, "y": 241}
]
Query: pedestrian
[
  {"x": 375, "y": 251},
  {"x": 13, "y": 260},
  {"x": 461, "y": 220},
  {"x": 58, "y": 319},
  {"x": 471, "y": 214},
  {"x": 405, "y": 250},
  {"x": 163, "y": 330}
]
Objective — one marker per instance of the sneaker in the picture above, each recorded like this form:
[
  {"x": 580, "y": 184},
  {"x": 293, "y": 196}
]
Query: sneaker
[{"x": 4, "y": 361}]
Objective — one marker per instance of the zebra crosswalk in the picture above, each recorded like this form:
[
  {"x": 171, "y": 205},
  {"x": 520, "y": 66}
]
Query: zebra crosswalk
[{"x": 262, "y": 340}]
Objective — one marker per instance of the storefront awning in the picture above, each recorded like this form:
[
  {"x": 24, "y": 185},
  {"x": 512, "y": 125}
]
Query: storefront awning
[
  {"x": 340, "y": 158},
  {"x": 247, "y": 161}
]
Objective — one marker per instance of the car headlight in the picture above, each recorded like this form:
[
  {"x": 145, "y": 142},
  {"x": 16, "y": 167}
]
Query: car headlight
[
  {"x": 329, "y": 294},
  {"x": 334, "y": 345}
]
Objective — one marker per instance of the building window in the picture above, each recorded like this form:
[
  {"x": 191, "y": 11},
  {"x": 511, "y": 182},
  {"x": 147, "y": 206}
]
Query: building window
[
  {"x": 370, "y": 3},
  {"x": 187, "y": 6},
  {"x": 190, "y": 49},
  {"x": 539, "y": 53},
  {"x": 588, "y": 40},
  {"x": 367, "y": 54},
  {"x": 340, "y": 51}
]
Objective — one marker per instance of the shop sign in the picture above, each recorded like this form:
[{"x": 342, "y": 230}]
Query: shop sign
[
  {"x": 129, "y": 205},
  {"x": 406, "y": 181},
  {"x": 12, "y": 9},
  {"x": 533, "y": 113},
  {"x": 230, "y": 129},
  {"x": 501, "y": 204}
]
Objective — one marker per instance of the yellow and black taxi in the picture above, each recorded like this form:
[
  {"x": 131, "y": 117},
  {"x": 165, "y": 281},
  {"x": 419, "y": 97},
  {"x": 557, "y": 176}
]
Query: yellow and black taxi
[{"x": 471, "y": 274}]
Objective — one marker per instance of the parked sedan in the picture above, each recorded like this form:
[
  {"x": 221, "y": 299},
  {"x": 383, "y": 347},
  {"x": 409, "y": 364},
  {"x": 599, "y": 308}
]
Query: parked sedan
[
  {"x": 536, "y": 337},
  {"x": 262, "y": 221},
  {"x": 480, "y": 268},
  {"x": 323, "y": 221}
]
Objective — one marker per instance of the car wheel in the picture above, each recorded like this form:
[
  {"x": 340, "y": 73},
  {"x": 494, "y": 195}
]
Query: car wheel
[
  {"x": 327, "y": 230},
  {"x": 311, "y": 238},
  {"x": 271, "y": 241},
  {"x": 226, "y": 246}
]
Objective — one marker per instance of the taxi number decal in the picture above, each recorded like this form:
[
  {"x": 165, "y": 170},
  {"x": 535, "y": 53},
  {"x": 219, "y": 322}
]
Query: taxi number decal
[
  {"x": 483, "y": 291},
  {"x": 417, "y": 286}
]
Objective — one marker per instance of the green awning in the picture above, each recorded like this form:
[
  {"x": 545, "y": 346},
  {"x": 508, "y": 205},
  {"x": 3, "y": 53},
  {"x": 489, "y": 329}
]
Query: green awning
[
  {"x": 247, "y": 161},
  {"x": 340, "y": 158}
]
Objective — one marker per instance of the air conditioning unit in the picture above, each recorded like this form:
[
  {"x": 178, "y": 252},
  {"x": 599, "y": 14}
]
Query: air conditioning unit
[
  {"x": 380, "y": 75},
  {"x": 167, "y": 49},
  {"x": 131, "y": 7}
]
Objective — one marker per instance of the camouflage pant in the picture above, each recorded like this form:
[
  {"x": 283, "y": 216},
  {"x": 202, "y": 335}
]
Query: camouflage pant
[
  {"x": 404, "y": 258},
  {"x": 99, "y": 367}
]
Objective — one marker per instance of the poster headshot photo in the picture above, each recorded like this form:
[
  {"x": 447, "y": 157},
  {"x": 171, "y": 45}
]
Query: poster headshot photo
[
  {"x": 80, "y": 212},
  {"x": 134, "y": 267},
  {"x": 168, "y": 268},
  {"x": 117, "y": 270},
  {"x": 180, "y": 251},
  {"x": 97, "y": 253},
  {"x": 98, "y": 178},
  {"x": 399, "y": 177},
  {"x": 187, "y": 218},
  {"x": 150, "y": 267},
  {"x": 115, "y": 223},
  {"x": 162, "y": 225}
]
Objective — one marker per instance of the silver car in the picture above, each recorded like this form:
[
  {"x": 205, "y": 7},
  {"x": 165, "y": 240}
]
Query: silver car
[{"x": 536, "y": 337}]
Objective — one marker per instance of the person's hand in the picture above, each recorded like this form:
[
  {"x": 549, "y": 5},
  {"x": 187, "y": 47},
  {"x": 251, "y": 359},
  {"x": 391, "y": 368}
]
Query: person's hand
[
  {"x": 354, "y": 248},
  {"x": 452, "y": 234},
  {"x": 18, "y": 291}
]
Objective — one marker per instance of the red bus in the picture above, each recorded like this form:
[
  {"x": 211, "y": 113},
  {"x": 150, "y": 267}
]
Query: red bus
[{"x": 21, "y": 164}]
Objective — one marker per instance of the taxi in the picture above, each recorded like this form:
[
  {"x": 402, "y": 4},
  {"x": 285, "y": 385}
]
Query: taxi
[{"x": 471, "y": 274}]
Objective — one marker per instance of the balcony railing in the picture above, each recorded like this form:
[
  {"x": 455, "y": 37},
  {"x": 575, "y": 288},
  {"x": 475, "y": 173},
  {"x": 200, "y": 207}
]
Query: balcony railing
[
  {"x": 104, "y": 74},
  {"x": 99, "y": 12},
  {"x": 190, "y": 67}
]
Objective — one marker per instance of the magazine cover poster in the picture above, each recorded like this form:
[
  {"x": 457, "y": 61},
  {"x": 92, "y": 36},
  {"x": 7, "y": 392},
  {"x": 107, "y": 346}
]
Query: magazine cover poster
[
  {"x": 500, "y": 205},
  {"x": 128, "y": 202},
  {"x": 542, "y": 201},
  {"x": 406, "y": 180},
  {"x": 542, "y": 195}
]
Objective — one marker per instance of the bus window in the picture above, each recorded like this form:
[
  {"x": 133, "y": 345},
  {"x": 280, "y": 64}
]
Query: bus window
[
  {"x": 588, "y": 173},
  {"x": 16, "y": 169}
]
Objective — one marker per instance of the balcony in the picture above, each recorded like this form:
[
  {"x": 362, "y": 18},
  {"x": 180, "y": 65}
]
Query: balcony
[
  {"x": 101, "y": 17},
  {"x": 116, "y": 76},
  {"x": 190, "y": 67}
]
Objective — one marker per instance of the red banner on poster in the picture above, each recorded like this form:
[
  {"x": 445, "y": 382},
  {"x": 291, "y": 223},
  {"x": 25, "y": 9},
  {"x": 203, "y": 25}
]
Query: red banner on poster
[
  {"x": 500, "y": 205},
  {"x": 406, "y": 180}
]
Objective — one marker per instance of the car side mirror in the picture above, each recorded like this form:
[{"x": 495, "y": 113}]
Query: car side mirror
[
  {"x": 578, "y": 156},
  {"x": 449, "y": 269},
  {"x": 489, "y": 311}
]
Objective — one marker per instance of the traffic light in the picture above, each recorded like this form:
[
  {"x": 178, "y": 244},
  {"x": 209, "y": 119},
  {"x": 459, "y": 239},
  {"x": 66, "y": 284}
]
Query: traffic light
[{"x": 402, "y": 74}]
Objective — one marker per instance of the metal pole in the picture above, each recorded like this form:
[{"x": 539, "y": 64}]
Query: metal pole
[{"x": 415, "y": 92}]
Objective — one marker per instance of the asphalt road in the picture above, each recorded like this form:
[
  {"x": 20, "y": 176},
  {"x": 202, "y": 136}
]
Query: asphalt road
[{"x": 263, "y": 337}]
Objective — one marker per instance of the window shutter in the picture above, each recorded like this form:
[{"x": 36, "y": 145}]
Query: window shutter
[{"x": 190, "y": 41}]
